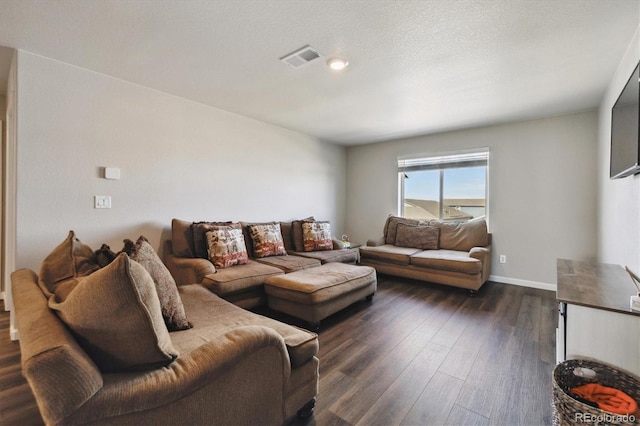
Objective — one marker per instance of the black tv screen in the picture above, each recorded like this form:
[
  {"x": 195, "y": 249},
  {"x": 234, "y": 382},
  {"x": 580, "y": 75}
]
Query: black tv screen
[{"x": 625, "y": 122}]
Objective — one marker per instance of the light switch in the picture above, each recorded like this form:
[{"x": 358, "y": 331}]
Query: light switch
[{"x": 102, "y": 201}]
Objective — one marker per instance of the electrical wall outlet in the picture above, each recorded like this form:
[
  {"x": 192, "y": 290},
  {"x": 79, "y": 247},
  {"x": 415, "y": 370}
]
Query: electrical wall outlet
[
  {"x": 102, "y": 201},
  {"x": 503, "y": 258}
]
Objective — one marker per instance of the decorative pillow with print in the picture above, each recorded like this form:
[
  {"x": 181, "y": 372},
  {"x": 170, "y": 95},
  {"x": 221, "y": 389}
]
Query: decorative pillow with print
[
  {"x": 200, "y": 229},
  {"x": 317, "y": 236},
  {"x": 267, "y": 240},
  {"x": 226, "y": 246}
]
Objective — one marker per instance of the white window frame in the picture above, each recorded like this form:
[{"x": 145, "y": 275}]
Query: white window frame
[{"x": 441, "y": 162}]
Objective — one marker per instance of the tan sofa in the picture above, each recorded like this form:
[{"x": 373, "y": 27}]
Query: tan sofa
[
  {"x": 243, "y": 285},
  {"x": 232, "y": 367},
  {"x": 454, "y": 254}
]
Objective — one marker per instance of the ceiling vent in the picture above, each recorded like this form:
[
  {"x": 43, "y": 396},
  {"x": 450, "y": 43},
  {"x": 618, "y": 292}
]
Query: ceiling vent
[{"x": 301, "y": 56}]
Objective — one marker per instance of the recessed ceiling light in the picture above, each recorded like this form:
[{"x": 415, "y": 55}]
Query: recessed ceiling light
[{"x": 337, "y": 64}]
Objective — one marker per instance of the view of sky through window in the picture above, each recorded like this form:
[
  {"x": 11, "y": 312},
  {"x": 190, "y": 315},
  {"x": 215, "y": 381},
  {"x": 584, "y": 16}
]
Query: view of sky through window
[{"x": 468, "y": 182}]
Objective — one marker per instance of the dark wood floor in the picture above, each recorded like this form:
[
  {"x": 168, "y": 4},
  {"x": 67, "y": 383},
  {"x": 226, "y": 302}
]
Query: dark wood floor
[{"x": 417, "y": 355}]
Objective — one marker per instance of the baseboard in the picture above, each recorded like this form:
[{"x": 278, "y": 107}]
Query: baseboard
[
  {"x": 13, "y": 334},
  {"x": 523, "y": 283}
]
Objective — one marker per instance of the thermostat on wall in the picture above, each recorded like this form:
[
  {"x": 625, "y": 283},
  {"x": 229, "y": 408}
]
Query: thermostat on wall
[{"x": 111, "y": 173}]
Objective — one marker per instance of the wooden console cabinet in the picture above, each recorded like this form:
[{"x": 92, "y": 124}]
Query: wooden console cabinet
[{"x": 595, "y": 319}]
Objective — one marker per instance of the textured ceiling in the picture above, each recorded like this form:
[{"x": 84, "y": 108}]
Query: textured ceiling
[{"x": 415, "y": 66}]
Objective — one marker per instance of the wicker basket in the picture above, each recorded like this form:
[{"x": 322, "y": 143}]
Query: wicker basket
[{"x": 569, "y": 411}]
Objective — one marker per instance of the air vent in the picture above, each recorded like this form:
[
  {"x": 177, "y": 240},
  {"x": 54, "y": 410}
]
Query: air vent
[{"x": 301, "y": 56}]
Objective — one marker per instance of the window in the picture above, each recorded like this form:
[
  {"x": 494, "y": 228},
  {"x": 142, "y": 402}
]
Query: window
[{"x": 451, "y": 187}]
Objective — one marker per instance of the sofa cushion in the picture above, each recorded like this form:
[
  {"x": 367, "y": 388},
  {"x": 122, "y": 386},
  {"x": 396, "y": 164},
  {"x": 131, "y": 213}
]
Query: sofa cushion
[
  {"x": 389, "y": 253},
  {"x": 182, "y": 238},
  {"x": 287, "y": 237},
  {"x": 170, "y": 302},
  {"x": 316, "y": 236},
  {"x": 328, "y": 256},
  {"x": 290, "y": 263},
  {"x": 416, "y": 236},
  {"x": 226, "y": 246},
  {"x": 211, "y": 316},
  {"x": 447, "y": 260},
  {"x": 391, "y": 225},
  {"x": 70, "y": 259},
  {"x": 313, "y": 286},
  {"x": 199, "y": 230},
  {"x": 462, "y": 236},
  {"x": 239, "y": 278},
  {"x": 116, "y": 317},
  {"x": 266, "y": 239}
]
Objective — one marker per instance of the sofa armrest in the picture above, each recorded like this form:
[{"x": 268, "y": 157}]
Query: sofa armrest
[
  {"x": 483, "y": 254},
  {"x": 239, "y": 377},
  {"x": 337, "y": 244},
  {"x": 188, "y": 270},
  {"x": 376, "y": 242},
  {"x": 60, "y": 373}
]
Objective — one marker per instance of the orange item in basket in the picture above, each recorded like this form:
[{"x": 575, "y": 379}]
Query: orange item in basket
[{"x": 608, "y": 399}]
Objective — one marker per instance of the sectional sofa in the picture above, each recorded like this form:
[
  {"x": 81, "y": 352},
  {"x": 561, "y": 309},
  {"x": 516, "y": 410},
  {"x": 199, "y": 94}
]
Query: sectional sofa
[
  {"x": 451, "y": 253},
  {"x": 187, "y": 258},
  {"x": 116, "y": 342}
]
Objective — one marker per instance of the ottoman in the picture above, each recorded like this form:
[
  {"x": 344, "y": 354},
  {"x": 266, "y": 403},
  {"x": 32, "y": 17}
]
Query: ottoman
[{"x": 315, "y": 293}]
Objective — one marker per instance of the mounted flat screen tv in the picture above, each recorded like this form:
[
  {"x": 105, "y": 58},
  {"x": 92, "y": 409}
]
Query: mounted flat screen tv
[{"x": 625, "y": 122}]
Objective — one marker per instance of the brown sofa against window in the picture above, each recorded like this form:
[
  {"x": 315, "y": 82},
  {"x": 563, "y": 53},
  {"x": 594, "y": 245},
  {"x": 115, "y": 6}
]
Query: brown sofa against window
[{"x": 455, "y": 254}]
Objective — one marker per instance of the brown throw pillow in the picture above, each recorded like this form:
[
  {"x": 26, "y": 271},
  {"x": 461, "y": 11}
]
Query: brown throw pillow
[
  {"x": 317, "y": 236},
  {"x": 104, "y": 255},
  {"x": 391, "y": 227},
  {"x": 416, "y": 236},
  {"x": 182, "y": 238},
  {"x": 227, "y": 247},
  {"x": 267, "y": 240},
  {"x": 170, "y": 301},
  {"x": 71, "y": 259},
  {"x": 115, "y": 315}
]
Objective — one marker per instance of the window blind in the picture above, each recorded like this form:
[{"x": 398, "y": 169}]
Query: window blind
[{"x": 436, "y": 162}]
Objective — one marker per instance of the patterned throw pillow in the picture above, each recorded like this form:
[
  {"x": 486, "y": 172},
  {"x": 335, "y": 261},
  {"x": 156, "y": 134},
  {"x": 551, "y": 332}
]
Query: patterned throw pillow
[
  {"x": 226, "y": 246},
  {"x": 317, "y": 236},
  {"x": 200, "y": 229},
  {"x": 170, "y": 301},
  {"x": 296, "y": 233},
  {"x": 267, "y": 240}
]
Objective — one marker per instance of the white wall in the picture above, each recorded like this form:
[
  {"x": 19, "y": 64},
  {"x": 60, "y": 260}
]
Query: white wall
[
  {"x": 619, "y": 203},
  {"x": 542, "y": 183},
  {"x": 177, "y": 159}
]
